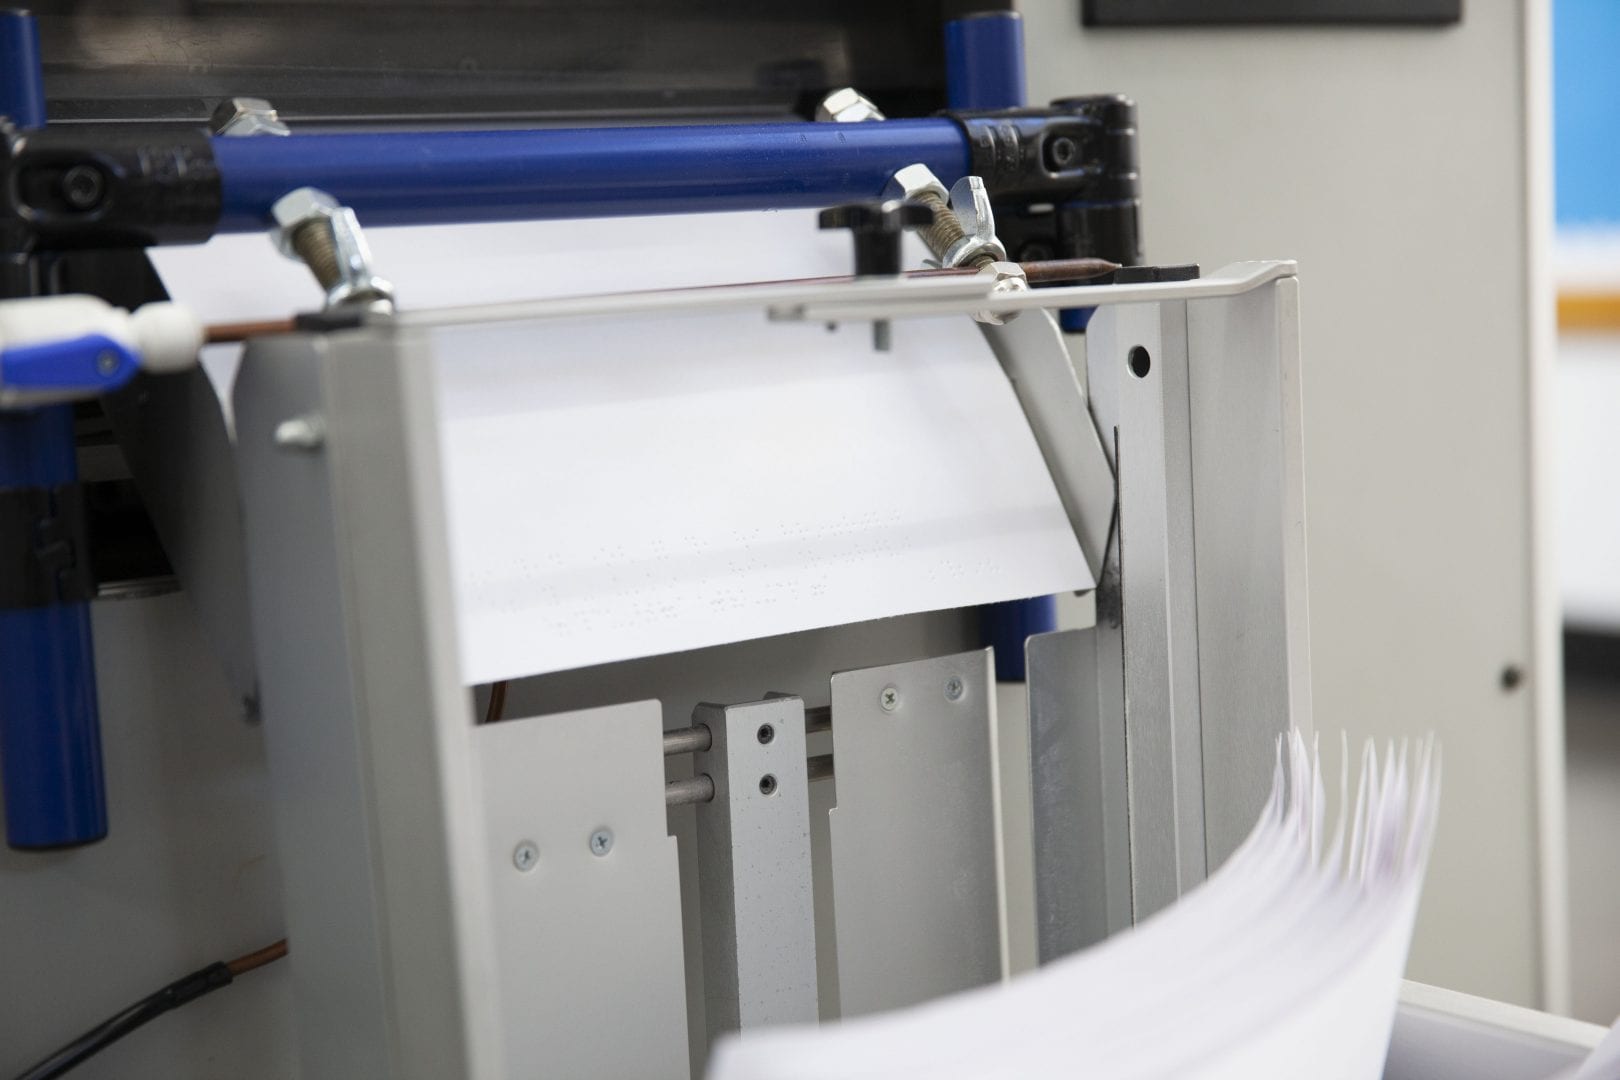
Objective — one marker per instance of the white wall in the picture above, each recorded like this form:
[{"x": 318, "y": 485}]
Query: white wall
[{"x": 1392, "y": 165}]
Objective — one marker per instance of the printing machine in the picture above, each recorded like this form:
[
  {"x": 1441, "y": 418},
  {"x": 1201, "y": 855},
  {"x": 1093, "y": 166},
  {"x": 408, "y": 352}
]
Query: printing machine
[{"x": 593, "y": 869}]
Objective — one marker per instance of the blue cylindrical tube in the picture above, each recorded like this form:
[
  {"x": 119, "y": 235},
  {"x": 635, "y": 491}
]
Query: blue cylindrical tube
[
  {"x": 984, "y": 61},
  {"x": 453, "y": 177},
  {"x": 50, "y": 733},
  {"x": 22, "y": 90}
]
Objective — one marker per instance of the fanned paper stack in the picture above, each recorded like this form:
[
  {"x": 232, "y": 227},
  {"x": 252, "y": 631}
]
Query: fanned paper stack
[{"x": 1285, "y": 963}]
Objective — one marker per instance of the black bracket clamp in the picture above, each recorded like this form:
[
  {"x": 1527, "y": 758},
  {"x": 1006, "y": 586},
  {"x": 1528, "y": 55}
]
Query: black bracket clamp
[{"x": 1064, "y": 180}]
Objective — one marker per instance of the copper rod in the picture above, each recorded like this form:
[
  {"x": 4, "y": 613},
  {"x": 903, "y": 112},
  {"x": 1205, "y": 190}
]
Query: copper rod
[{"x": 219, "y": 333}]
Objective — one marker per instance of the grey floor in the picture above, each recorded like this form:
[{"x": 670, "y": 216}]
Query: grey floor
[{"x": 1592, "y": 740}]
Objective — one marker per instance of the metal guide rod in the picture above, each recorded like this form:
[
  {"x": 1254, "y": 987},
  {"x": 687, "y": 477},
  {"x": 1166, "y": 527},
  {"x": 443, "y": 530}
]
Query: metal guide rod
[
  {"x": 687, "y": 740},
  {"x": 696, "y": 789},
  {"x": 698, "y": 737},
  {"x": 874, "y": 298}
]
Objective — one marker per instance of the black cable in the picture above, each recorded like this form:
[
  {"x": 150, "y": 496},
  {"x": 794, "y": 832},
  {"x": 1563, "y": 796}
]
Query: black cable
[{"x": 188, "y": 988}]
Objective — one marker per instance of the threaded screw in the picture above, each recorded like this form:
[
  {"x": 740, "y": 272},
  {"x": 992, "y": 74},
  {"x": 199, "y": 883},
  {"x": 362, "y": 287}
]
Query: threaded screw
[
  {"x": 946, "y": 230},
  {"x": 314, "y": 243}
]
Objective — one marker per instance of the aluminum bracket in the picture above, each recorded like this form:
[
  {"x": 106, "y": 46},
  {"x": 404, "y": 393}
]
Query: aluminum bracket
[{"x": 916, "y": 857}]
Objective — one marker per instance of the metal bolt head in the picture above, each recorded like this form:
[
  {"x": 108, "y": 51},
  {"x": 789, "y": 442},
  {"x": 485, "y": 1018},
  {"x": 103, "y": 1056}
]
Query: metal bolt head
[
  {"x": 601, "y": 841},
  {"x": 301, "y": 433},
  {"x": 847, "y": 105},
  {"x": 1009, "y": 278},
  {"x": 954, "y": 688},
  {"x": 913, "y": 181},
  {"x": 296, "y": 208},
  {"x": 889, "y": 699},
  {"x": 1061, "y": 152},
  {"x": 526, "y": 856},
  {"x": 246, "y": 116},
  {"x": 83, "y": 187},
  {"x": 766, "y": 734}
]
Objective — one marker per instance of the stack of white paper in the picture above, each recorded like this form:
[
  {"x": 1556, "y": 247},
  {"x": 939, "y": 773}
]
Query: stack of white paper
[{"x": 1286, "y": 963}]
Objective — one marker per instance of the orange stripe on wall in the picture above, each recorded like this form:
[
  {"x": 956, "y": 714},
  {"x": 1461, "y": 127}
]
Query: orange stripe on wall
[{"x": 1589, "y": 311}]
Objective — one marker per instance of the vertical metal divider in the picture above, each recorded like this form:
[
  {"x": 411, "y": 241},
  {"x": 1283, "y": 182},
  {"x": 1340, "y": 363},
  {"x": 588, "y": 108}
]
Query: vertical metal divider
[
  {"x": 754, "y": 871},
  {"x": 368, "y": 727},
  {"x": 1150, "y": 731},
  {"x": 1249, "y": 501},
  {"x": 1145, "y": 345}
]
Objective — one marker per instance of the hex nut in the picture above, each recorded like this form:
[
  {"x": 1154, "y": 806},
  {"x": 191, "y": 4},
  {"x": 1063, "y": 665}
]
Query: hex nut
[
  {"x": 295, "y": 208},
  {"x": 246, "y": 116},
  {"x": 847, "y": 105},
  {"x": 913, "y": 181},
  {"x": 1008, "y": 277}
]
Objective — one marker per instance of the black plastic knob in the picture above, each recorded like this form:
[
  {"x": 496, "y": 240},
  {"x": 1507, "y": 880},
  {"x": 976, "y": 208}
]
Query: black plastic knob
[{"x": 877, "y": 227}]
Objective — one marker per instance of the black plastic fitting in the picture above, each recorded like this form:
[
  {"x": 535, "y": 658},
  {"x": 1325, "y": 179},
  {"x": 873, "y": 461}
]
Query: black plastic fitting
[
  {"x": 106, "y": 187},
  {"x": 1064, "y": 180}
]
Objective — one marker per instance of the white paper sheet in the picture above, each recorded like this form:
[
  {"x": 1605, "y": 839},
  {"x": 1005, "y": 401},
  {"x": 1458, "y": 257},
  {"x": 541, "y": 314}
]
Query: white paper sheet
[
  {"x": 629, "y": 487},
  {"x": 1285, "y": 964}
]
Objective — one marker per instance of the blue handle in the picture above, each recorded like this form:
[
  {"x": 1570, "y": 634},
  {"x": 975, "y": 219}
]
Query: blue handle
[{"x": 81, "y": 366}]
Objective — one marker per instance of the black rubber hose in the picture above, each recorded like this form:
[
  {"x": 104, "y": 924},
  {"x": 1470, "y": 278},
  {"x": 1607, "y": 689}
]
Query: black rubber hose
[{"x": 188, "y": 988}]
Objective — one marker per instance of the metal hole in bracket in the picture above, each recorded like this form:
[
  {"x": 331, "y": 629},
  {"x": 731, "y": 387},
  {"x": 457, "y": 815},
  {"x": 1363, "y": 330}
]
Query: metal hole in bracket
[
  {"x": 767, "y": 784},
  {"x": 1139, "y": 361},
  {"x": 766, "y": 733}
]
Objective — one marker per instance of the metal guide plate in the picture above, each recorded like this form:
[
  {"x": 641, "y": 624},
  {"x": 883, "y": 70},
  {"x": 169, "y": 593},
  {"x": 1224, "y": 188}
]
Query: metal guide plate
[
  {"x": 585, "y": 894},
  {"x": 759, "y": 934},
  {"x": 1077, "y": 787},
  {"x": 915, "y": 857}
]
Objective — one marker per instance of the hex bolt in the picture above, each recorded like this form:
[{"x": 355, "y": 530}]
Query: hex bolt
[
  {"x": 954, "y": 688},
  {"x": 240, "y": 116},
  {"x": 314, "y": 228},
  {"x": 526, "y": 855},
  {"x": 601, "y": 841},
  {"x": 83, "y": 187},
  {"x": 847, "y": 105},
  {"x": 889, "y": 699},
  {"x": 961, "y": 216}
]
